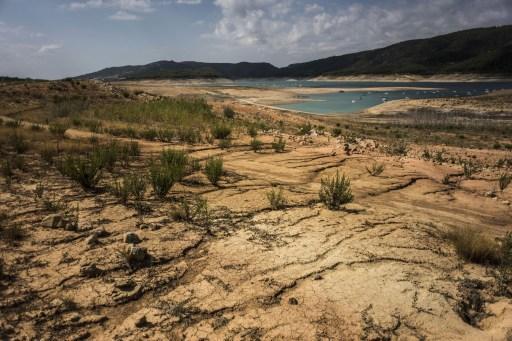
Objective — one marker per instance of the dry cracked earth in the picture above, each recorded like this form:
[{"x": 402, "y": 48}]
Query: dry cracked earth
[{"x": 378, "y": 269}]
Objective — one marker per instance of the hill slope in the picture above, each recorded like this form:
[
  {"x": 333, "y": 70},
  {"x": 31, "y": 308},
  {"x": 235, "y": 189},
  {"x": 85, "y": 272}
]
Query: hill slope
[{"x": 476, "y": 51}]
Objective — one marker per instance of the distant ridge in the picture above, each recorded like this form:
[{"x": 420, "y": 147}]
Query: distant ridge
[{"x": 474, "y": 51}]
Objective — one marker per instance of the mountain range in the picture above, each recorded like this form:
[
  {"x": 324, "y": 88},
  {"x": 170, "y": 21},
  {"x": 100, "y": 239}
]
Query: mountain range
[{"x": 475, "y": 51}]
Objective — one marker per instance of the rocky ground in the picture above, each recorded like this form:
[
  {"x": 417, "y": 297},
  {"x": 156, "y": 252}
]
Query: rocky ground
[{"x": 380, "y": 268}]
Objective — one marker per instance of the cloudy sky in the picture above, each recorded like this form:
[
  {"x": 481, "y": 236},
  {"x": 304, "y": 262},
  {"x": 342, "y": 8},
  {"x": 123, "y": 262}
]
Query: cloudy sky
[{"x": 58, "y": 38}]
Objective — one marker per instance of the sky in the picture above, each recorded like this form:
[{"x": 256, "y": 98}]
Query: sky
[{"x": 59, "y": 38}]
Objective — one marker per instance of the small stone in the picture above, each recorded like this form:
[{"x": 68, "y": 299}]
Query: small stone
[
  {"x": 142, "y": 322},
  {"x": 91, "y": 240},
  {"x": 138, "y": 254},
  {"x": 131, "y": 238},
  {"x": 490, "y": 194},
  {"x": 318, "y": 277},
  {"x": 506, "y": 202},
  {"x": 354, "y": 208},
  {"x": 90, "y": 271},
  {"x": 293, "y": 301}
]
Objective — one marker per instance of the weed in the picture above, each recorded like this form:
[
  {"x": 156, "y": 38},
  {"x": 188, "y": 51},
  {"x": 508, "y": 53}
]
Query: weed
[
  {"x": 224, "y": 144},
  {"x": 279, "y": 145},
  {"x": 256, "y": 145},
  {"x": 214, "y": 169},
  {"x": 504, "y": 180},
  {"x": 335, "y": 191},
  {"x": 438, "y": 157},
  {"x": 229, "y": 113},
  {"x": 305, "y": 129},
  {"x": 12, "y": 234},
  {"x": 18, "y": 143},
  {"x": 446, "y": 179},
  {"x": 426, "y": 154},
  {"x": 58, "y": 129},
  {"x": 221, "y": 131},
  {"x": 39, "y": 190},
  {"x": 375, "y": 169},
  {"x": 47, "y": 153},
  {"x": 276, "y": 199},
  {"x": 474, "y": 246},
  {"x": 252, "y": 131},
  {"x": 336, "y": 132},
  {"x": 469, "y": 169},
  {"x": 163, "y": 177},
  {"x": 84, "y": 170},
  {"x": 15, "y": 124},
  {"x": 195, "y": 211},
  {"x": 399, "y": 148}
]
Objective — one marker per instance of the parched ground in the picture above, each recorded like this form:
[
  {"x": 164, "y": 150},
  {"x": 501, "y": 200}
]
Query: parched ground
[{"x": 379, "y": 269}]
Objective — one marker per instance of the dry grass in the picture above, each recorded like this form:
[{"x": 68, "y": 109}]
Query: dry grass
[{"x": 474, "y": 246}]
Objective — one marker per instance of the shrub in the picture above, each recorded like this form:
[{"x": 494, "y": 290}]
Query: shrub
[
  {"x": 84, "y": 170},
  {"x": 252, "y": 131},
  {"x": 137, "y": 186},
  {"x": 474, "y": 246},
  {"x": 276, "y": 199},
  {"x": 18, "y": 143},
  {"x": 13, "y": 124},
  {"x": 229, "y": 113},
  {"x": 446, "y": 179},
  {"x": 214, "y": 169},
  {"x": 106, "y": 155},
  {"x": 399, "y": 148},
  {"x": 336, "y": 132},
  {"x": 504, "y": 180},
  {"x": 375, "y": 169},
  {"x": 58, "y": 129},
  {"x": 120, "y": 190},
  {"x": 224, "y": 144},
  {"x": 305, "y": 129},
  {"x": 195, "y": 211},
  {"x": 469, "y": 169},
  {"x": 163, "y": 177},
  {"x": 36, "y": 127},
  {"x": 335, "y": 191},
  {"x": 279, "y": 145},
  {"x": 221, "y": 131},
  {"x": 47, "y": 153},
  {"x": 256, "y": 145},
  {"x": 11, "y": 234},
  {"x": 174, "y": 157}
]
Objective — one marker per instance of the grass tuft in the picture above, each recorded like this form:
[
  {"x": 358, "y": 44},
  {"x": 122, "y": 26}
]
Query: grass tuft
[{"x": 335, "y": 191}]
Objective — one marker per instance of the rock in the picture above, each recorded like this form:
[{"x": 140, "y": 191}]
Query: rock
[
  {"x": 138, "y": 254},
  {"x": 142, "y": 322},
  {"x": 131, "y": 238},
  {"x": 90, "y": 271},
  {"x": 353, "y": 208},
  {"x": 490, "y": 194},
  {"x": 506, "y": 202},
  {"x": 127, "y": 294},
  {"x": 318, "y": 278},
  {"x": 91, "y": 240},
  {"x": 58, "y": 221},
  {"x": 293, "y": 301}
]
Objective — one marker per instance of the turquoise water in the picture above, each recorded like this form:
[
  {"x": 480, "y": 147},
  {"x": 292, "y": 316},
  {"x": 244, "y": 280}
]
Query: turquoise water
[{"x": 349, "y": 102}]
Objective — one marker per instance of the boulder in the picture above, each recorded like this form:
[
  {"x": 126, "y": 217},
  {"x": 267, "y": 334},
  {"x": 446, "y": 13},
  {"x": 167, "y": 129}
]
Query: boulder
[{"x": 131, "y": 238}]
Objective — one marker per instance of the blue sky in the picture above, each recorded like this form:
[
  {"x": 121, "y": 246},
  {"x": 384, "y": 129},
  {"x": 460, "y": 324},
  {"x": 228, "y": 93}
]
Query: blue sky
[{"x": 59, "y": 38}]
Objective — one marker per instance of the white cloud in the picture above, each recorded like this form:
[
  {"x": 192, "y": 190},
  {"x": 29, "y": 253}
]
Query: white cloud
[
  {"x": 304, "y": 31},
  {"x": 189, "y": 2},
  {"x": 124, "y": 16},
  {"x": 141, "y": 6},
  {"x": 49, "y": 47}
]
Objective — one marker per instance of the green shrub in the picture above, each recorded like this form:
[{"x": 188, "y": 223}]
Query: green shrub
[
  {"x": 276, "y": 199},
  {"x": 399, "y": 148},
  {"x": 47, "y": 153},
  {"x": 504, "y": 180},
  {"x": 163, "y": 176},
  {"x": 174, "y": 157},
  {"x": 336, "y": 132},
  {"x": 214, "y": 169},
  {"x": 58, "y": 129},
  {"x": 84, "y": 170},
  {"x": 12, "y": 234},
  {"x": 224, "y": 144},
  {"x": 279, "y": 145},
  {"x": 15, "y": 124},
  {"x": 256, "y": 145},
  {"x": 229, "y": 113},
  {"x": 120, "y": 190},
  {"x": 132, "y": 184},
  {"x": 252, "y": 131},
  {"x": 474, "y": 246},
  {"x": 335, "y": 191},
  {"x": 305, "y": 129},
  {"x": 18, "y": 142},
  {"x": 469, "y": 169},
  {"x": 221, "y": 131},
  {"x": 195, "y": 211},
  {"x": 375, "y": 169}
]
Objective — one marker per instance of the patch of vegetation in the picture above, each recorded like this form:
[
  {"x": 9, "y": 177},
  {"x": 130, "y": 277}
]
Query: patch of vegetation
[
  {"x": 214, "y": 168},
  {"x": 163, "y": 176},
  {"x": 475, "y": 246},
  {"x": 195, "y": 211},
  {"x": 399, "y": 148},
  {"x": 224, "y": 144},
  {"x": 305, "y": 129},
  {"x": 276, "y": 199},
  {"x": 229, "y": 113},
  {"x": 221, "y": 131},
  {"x": 58, "y": 129},
  {"x": 18, "y": 142},
  {"x": 279, "y": 145},
  {"x": 469, "y": 169},
  {"x": 504, "y": 180},
  {"x": 86, "y": 170},
  {"x": 335, "y": 191},
  {"x": 12, "y": 233},
  {"x": 256, "y": 145},
  {"x": 375, "y": 169}
]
